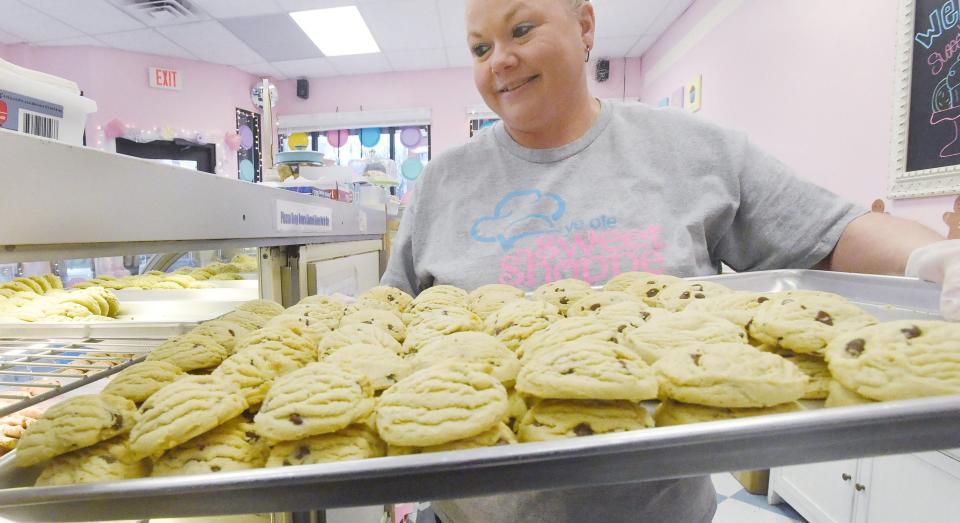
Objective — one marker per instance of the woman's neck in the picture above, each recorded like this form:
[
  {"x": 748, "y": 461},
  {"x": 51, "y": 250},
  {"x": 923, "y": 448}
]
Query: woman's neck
[{"x": 570, "y": 126}]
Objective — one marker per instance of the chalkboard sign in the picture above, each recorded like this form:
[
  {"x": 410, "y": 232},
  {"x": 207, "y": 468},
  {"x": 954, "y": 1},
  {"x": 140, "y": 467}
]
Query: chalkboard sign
[{"x": 927, "y": 102}]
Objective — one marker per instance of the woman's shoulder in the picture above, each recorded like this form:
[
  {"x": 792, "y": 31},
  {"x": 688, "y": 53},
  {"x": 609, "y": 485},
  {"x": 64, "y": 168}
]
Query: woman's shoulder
[{"x": 671, "y": 123}]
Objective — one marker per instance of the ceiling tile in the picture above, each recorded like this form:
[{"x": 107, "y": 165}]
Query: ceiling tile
[
  {"x": 262, "y": 69},
  {"x": 452, "y": 24},
  {"x": 616, "y": 18},
  {"x": 417, "y": 60},
  {"x": 643, "y": 44},
  {"x": 312, "y": 68},
  {"x": 78, "y": 41},
  {"x": 304, "y": 5},
  {"x": 90, "y": 16},
  {"x": 458, "y": 57},
  {"x": 612, "y": 47},
  {"x": 401, "y": 25},
  {"x": 274, "y": 37},
  {"x": 7, "y": 38},
  {"x": 360, "y": 63},
  {"x": 32, "y": 25},
  {"x": 668, "y": 16},
  {"x": 168, "y": 12},
  {"x": 238, "y": 8},
  {"x": 145, "y": 41},
  {"x": 211, "y": 42}
]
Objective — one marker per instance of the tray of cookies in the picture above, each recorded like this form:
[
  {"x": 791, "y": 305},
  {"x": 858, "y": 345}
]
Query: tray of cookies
[{"x": 392, "y": 398}]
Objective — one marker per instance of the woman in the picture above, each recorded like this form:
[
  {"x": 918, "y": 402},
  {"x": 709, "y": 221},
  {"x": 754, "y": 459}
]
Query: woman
[{"x": 569, "y": 186}]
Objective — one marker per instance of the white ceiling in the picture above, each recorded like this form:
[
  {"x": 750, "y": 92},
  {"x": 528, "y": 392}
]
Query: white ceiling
[{"x": 259, "y": 37}]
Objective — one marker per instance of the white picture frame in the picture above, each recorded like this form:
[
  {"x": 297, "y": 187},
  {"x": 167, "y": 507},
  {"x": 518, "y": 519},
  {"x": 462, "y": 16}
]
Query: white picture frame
[{"x": 920, "y": 183}]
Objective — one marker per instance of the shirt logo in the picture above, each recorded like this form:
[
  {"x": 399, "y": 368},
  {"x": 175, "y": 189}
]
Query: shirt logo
[{"x": 518, "y": 215}]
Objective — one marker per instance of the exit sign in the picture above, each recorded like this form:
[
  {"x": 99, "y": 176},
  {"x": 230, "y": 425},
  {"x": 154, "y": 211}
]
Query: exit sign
[{"x": 165, "y": 78}]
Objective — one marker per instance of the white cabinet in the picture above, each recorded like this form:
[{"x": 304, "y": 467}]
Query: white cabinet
[
  {"x": 890, "y": 489},
  {"x": 821, "y": 492},
  {"x": 914, "y": 487}
]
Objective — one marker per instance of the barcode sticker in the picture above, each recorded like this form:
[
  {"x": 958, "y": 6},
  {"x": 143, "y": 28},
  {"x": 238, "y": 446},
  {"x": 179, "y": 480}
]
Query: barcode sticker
[
  {"x": 19, "y": 112},
  {"x": 39, "y": 125}
]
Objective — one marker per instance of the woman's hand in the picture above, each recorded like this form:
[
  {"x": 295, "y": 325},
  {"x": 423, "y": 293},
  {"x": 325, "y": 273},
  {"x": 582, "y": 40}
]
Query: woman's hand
[{"x": 939, "y": 262}]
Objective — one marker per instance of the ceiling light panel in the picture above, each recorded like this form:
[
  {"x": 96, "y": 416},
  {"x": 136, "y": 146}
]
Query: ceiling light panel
[
  {"x": 89, "y": 16},
  {"x": 211, "y": 42},
  {"x": 338, "y": 31}
]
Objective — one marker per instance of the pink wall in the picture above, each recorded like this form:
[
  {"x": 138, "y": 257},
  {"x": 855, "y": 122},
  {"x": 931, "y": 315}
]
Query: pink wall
[
  {"x": 811, "y": 82},
  {"x": 117, "y": 81},
  {"x": 447, "y": 92}
]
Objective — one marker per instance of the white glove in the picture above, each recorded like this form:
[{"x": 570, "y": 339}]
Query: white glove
[{"x": 940, "y": 263}]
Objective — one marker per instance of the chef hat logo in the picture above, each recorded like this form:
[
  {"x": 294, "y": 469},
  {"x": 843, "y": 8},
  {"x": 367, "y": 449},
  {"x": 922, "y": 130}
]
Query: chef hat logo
[{"x": 519, "y": 215}]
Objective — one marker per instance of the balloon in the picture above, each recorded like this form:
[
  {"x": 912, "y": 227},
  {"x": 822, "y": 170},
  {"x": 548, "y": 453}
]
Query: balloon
[
  {"x": 337, "y": 138},
  {"x": 247, "y": 172},
  {"x": 246, "y": 137},
  {"x": 114, "y": 129},
  {"x": 411, "y": 168},
  {"x": 370, "y": 136},
  {"x": 298, "y": 141},
  {"x": 410, "y": 137},
  {"x": 231, "y": 140}
]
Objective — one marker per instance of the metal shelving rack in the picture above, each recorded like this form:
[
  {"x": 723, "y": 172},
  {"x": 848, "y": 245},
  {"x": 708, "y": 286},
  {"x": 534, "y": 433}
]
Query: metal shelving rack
[{"x": 55, "y": 366}]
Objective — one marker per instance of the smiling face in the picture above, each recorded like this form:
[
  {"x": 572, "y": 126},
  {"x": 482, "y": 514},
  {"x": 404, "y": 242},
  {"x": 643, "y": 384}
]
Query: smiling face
[{"x": 529, "y": 60}]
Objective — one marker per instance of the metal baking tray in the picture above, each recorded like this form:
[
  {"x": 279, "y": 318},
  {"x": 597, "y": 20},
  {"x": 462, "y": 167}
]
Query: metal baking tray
[
  {"x": 658, "y": 453},
  {"x": 35, "y": 370}
]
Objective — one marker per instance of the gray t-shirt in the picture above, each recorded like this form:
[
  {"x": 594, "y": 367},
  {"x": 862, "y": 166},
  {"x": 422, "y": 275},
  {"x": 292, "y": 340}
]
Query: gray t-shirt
[{"x": 654, "y": 190}]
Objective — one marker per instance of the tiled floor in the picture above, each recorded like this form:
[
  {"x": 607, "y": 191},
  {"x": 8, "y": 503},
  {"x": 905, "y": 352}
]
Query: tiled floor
[{"x": 734, "y": 505}]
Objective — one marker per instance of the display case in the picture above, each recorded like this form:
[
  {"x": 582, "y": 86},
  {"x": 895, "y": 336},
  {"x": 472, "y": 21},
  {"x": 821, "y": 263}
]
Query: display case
[
  {"x": 110, "y": 205},
  {"x": 83, "y": 213}
]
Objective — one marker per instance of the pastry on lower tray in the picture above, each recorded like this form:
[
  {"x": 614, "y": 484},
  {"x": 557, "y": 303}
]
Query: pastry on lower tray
[
  {"x": 357, "y": 441},
  {"x": 108, "y": 460},
  {"x": 671, "y": 412},
  {"x": 235, "y": 445},
  {"x": 75, "y": 423},
  {"x": 551, "y": 419}
]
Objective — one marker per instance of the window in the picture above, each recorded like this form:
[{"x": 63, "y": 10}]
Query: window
[
  {"x": 481, "y": 123},
  {"x": 398, "y": 143}
]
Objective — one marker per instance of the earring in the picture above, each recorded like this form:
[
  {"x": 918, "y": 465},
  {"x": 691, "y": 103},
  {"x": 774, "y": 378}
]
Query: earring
[{"x": 587, "y": 59}]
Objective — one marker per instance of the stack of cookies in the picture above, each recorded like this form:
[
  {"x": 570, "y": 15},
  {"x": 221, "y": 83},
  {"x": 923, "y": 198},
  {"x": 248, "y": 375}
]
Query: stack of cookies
[
  {"x": 49, "y": 302},
  {"x": 390, "y": 374}
]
